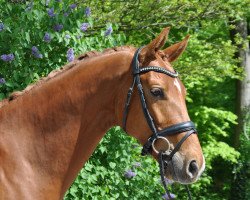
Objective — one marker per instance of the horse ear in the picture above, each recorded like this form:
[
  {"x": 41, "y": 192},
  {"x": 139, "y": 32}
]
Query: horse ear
[
  {"x": 173, "y": 52},
  {"x": 148, "y": 52}
]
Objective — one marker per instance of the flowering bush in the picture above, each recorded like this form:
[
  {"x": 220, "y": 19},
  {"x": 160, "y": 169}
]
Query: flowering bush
[{"x": 39, "y": 36}]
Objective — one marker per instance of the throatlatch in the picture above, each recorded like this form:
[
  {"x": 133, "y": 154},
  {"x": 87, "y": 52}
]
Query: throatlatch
[{"x": 188, "y": 127}]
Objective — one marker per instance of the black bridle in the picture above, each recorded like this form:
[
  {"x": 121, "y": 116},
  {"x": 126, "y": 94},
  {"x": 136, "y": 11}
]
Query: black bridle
[{"x": 188, "y": 127}]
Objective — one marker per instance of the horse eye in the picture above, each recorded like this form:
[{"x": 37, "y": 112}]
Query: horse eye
[{"x": 157, "y": 92}]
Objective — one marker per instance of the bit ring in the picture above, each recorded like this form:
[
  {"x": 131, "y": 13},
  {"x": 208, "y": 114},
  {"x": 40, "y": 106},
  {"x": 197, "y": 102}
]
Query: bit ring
[{"x": 163, "y": 138}]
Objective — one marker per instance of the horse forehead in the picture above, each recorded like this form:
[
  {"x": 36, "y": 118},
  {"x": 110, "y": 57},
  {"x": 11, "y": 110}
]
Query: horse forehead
[{"x": 161, "y": 63}]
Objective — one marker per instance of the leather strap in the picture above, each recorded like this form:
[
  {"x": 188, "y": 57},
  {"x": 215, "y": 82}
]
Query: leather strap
[
  {"x": 171, "y": 130},
  {"x": 126, "y": 109},
  {"x": 177, "y": 128}
]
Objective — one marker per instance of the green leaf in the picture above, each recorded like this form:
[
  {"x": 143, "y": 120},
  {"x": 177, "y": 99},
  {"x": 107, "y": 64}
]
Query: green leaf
[
  {"x": 2, "y": 96},
  {"x": 27, "y": 36},
  {"x": 112, "y": 165},
  {"x": 9, "y": 84}
]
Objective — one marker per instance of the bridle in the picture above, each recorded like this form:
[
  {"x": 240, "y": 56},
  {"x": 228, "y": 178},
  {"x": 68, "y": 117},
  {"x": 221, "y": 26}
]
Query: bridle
[{"x": 188, "y": 126}]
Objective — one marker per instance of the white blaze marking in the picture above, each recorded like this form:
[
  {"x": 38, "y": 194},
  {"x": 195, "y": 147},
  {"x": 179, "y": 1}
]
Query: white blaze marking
[{"x": 177, "y": 84}]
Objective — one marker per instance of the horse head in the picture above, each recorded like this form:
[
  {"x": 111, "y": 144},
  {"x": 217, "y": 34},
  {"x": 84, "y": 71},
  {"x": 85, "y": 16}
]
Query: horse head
[{"x": 158, "y": 115}]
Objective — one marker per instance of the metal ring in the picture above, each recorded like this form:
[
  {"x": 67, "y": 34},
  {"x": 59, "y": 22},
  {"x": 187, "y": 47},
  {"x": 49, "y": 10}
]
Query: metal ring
[{"x": 160, "y": 137}]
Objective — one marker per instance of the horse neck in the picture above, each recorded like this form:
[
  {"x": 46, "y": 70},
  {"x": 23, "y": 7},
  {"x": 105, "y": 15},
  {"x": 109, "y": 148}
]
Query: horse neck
[
  {"x": 59, "y": 124},
  {"x": 99, "y": 107}
]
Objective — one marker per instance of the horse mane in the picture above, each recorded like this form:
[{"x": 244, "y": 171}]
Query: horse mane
[{"x": 81, "y": 58}]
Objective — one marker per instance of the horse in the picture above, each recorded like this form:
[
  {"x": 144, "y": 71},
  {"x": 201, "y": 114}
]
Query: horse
[{"x": 51, "y": 128}]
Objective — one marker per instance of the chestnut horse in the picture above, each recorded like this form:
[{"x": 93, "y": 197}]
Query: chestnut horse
[{"x": 50, "y": 129}]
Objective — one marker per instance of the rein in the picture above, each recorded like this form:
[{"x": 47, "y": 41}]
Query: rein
[{"x": 188, "y": 126}]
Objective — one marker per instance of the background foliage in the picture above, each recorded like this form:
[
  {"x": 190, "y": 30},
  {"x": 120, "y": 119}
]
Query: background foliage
[{"x": 208, "y": 69}]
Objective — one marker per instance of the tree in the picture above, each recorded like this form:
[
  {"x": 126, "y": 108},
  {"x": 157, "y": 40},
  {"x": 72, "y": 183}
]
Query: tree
[{"x": 239, "y": 35}]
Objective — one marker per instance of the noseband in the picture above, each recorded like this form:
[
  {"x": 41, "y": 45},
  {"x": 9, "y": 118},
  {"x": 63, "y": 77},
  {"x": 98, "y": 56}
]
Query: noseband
[{"x": 187, "y": 126}]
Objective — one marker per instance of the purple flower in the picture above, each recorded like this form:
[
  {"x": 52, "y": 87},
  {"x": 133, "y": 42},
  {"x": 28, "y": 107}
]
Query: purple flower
[
  {"x": 137, "y": 164},
  {"x": 66, "y": 14},
  {"x": 4, "y": 57},
  {"x": 167, "y": 181},
  {"x": 34, "y": 49},
  {"x": 11, "y": 56},
  {"x": 51, "y": 12},
  {"x": 73, "y": 6},
  {"x": 35, "y": 52},
  {"x": 2, "y": 81},
  {"x": 108, "y": 31},
  {"x": 58, "y": 27},
  {"x": 166, "y": 197},
  {"x": 7, "y": 57},
  {"x": 47, "y": 37},
  {"x": 39, "y": 55},
  {"x": 59, "y": 0},
  {"x": 84, "y": 27},
  {"x": 129, "y": 174},
  {"x": 70, "y": 55},
  {"x": 1, "y": 26},
  {"x": 87, "y": 11},
  {"x": 67, "y": 36}
]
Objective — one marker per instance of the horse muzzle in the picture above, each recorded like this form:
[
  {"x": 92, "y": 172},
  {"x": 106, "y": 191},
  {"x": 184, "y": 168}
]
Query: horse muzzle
[{"x": 181, "y": 169}]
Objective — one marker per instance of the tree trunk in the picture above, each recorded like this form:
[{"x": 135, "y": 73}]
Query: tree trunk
[
  {"x": 242, "y": 86},
  {"x": 240, "y": 181}
]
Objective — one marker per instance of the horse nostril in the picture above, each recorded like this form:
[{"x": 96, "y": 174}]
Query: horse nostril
[{"x": 193, "y": 167}]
